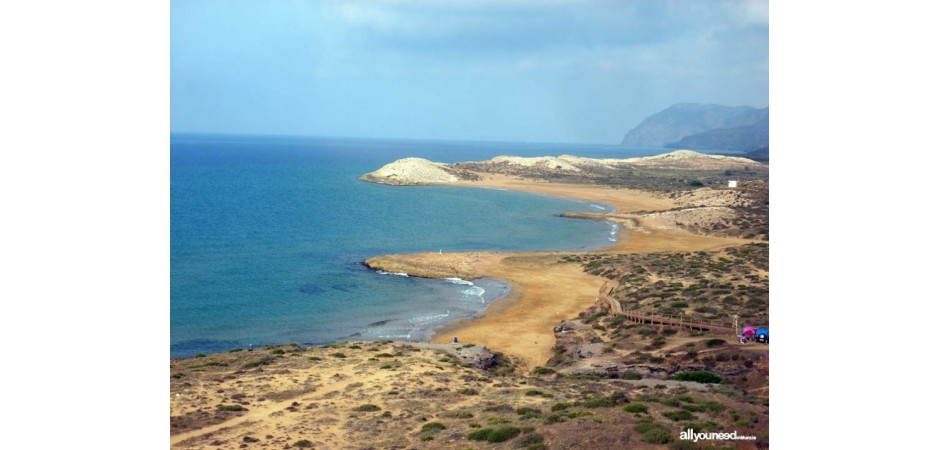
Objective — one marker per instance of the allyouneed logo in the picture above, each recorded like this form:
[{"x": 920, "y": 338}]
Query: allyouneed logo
[{"x": 691, "y": 435}]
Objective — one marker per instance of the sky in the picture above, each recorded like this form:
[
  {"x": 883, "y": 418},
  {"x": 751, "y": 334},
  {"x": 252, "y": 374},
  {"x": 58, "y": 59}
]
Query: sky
[{"x": 565, "y": 71}]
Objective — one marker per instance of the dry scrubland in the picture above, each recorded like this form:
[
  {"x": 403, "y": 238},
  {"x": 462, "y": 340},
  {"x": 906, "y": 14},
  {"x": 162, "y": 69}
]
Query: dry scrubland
[{"x": 600, "y": 381}]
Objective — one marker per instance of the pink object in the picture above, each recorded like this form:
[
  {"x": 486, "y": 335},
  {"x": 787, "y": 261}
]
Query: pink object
[{"x": 749, "y": 331}]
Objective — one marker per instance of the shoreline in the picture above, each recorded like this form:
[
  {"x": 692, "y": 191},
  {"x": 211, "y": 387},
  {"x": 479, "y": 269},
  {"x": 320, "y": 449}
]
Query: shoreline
[{"x": 544, "y": 291}]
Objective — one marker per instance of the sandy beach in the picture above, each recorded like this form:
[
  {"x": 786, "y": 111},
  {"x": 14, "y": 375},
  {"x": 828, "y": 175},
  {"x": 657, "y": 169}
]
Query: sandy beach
[{"x": 545, "y": 290}]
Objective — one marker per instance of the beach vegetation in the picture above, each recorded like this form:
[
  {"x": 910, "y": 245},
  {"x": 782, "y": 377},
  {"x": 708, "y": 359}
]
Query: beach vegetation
[
  {"x": 303, "y": 443},
  {"x": 258, "y": 362},
  {"x": 636, "y": 408},
  {"x": 433, "y": 426},
  {"x": 250, "y": 439},
  {"x": 502, "y": 434},
  {"x": 338, "y": 355},
  {"x": 480, "y": 435},
  {"x": 543, "y": 371},
  {"x": 698, "y": 376},
  {"x": 234, "y": 408},
  {"x": 367, "y": 408},
  {"x": 608, "y": 401},
  {"x": 679, "y": 414},
  {"x": 653, "y": 433},
  {"x": 561, "y": 406},
  {"x": 527, "y": 411},
  {"x": 529, "y": 440}
]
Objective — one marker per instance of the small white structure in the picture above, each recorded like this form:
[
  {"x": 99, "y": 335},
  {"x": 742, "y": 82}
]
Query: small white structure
[{"x": 732, "y": 183}]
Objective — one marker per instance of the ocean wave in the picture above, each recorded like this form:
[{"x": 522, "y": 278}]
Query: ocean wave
[
  {"x": 598, "y": 207},
  {"x": 458, "y": 281},
  {"x": 397, "y": 274},
  {"x": 424, "y": 320},
  {"x": 475, "y": 291}
]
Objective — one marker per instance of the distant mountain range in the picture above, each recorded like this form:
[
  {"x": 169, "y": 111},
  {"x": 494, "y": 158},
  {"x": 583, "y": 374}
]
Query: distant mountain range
[{"x": 703, "y": 127}]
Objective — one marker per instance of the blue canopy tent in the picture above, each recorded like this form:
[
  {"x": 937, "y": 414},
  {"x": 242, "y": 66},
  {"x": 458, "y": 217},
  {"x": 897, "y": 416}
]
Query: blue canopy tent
[{"x": 763, "y": 335}]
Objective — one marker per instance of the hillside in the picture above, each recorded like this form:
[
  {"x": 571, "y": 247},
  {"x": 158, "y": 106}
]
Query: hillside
[
  {"x": 746, "y": 138},
  {"x": 686, "y": 119}
]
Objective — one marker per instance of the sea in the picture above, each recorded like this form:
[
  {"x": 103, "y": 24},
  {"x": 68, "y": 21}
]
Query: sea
[{"x": 268, "y": 236}]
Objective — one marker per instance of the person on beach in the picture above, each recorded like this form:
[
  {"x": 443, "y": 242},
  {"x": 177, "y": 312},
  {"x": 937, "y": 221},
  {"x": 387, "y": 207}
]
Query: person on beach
[{"x": 455, "y": 340}]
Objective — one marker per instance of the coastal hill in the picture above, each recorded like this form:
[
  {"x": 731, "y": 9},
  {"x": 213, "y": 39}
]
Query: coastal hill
[
  {"x": 417, "y": 171},
  {"x": 747, "y": 138},
  {"x": 678, "y": 121}
]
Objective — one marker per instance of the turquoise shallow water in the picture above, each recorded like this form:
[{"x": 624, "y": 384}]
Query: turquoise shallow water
[{"x": 268, "y": 235}]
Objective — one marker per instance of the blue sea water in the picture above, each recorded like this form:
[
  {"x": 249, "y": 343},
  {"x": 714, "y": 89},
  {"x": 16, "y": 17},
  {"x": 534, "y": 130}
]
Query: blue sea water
[{"x": 268, "y": 235}]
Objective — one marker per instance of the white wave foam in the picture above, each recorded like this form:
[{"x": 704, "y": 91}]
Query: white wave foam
[
  {"x": 459, "y": 281},
  {"x": 475, "y": 291},
  {"x": 397, "y": 274},
  {"x": 424, "y": 320},
  {"x": 598, "y": 207}
]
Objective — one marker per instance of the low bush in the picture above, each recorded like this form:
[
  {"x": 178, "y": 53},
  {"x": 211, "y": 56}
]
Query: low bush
[
  {"x": 367, "y": 408},
  {"x": 480, "y": 435},
  {"x": 679, "y": 414},
  {"x": 503, "y": 434},
  {"x": 698, "y": 376},
  {"x": 636, "y": 408},
  {"x": 231, "y": 408},
  {"x": 433, "y": 426}
]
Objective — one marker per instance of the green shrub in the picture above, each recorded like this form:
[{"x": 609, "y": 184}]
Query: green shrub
[
  {"x": 636, "y": 408},
  {"x": 277, "y": 351},
  {"x": 698, "y": 376},
  {"x": 543, "y": 371},
  {"x": 200, "y": 355},
  {"x": 303, "y": 443},
  {"x": 496, "y": 421},
  {"x": 384, "y": 355},
  {"x": 231, "y": 408},
  {"x": 250, "y": 439},
  {"x": 525, "y": 410},
  {"x": 561, "y": 406},
  {"x": 529, "y": 440},
  {"x": 631, "y": 376},
  {"x": 677, "y": 415},
  {"x": 355, "y": 347},
  {"x": 367, "y": 408},
  {"x": 534, "y": 393},
  {"x": 606, "y": 402},
  {"x": 427, "y": 437},
  {"x": 338, "y": 355},
  {"x": 503, "y": 434},
  {"x": 480, "y": 435},
  {"x": 468, "y": 391},
  {"x": 259, "y": 362},
  {"x": 433, "y": 426},
  {"x": 653, "y": 433},
  {"x": 714, "y": 342}
]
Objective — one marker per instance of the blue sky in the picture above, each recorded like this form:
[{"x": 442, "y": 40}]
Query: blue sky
[{"x": 510, "y": 70}]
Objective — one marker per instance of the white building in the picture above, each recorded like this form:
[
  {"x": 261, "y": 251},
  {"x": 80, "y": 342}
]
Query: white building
[{"x": 732, "y": 183}]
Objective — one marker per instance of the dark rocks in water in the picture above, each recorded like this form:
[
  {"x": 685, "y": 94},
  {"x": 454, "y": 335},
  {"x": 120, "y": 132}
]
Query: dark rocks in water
[{"x": 379, "y": 323}]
